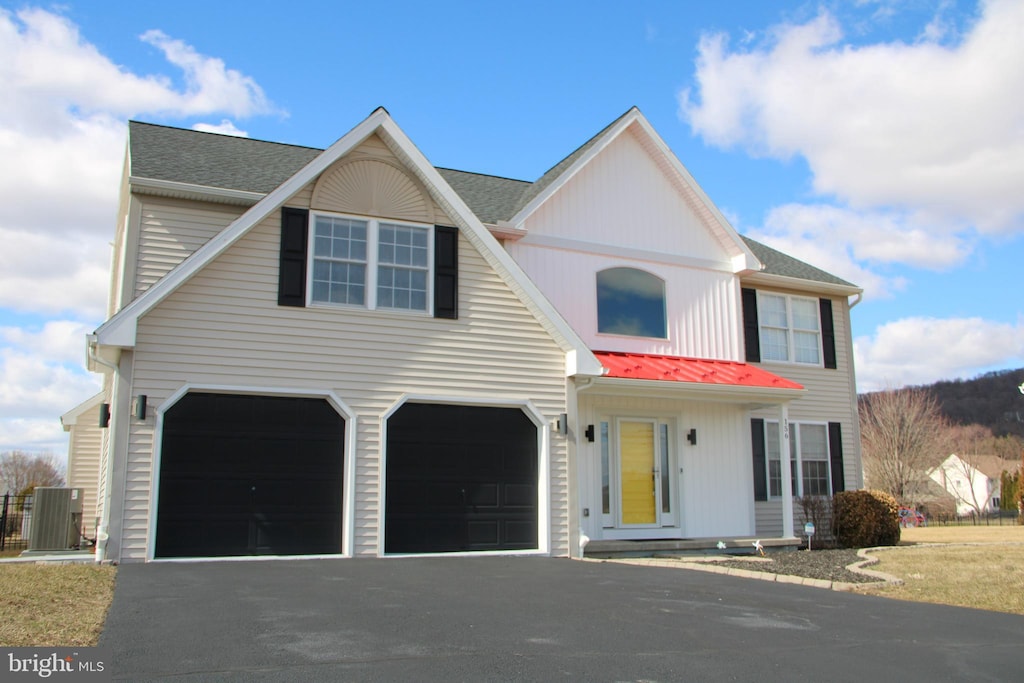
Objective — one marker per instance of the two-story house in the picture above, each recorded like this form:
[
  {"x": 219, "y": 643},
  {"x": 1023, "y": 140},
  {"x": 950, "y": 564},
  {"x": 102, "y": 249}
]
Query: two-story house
[{"x": 351, "y": 352}]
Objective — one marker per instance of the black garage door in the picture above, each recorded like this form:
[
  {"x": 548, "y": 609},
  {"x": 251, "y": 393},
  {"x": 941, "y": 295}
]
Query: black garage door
[
  {"x": 250, "y": 475},
  {"x": 460, "y": 478}
]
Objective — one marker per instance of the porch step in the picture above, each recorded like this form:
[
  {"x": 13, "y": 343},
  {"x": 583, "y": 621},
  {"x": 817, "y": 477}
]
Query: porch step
[{"x": 685, "y": 546}]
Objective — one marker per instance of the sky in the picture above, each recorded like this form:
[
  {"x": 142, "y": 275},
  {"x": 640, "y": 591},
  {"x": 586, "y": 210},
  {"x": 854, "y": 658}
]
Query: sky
[{"x": 881, "y": 140}]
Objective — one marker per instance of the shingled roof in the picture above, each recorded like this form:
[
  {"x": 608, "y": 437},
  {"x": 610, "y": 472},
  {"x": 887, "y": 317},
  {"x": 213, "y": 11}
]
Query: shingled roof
[
  {"x": 777, "y": 263},
  {"x": 235, "y": 163},
  {"x": 212, "y": 160}
]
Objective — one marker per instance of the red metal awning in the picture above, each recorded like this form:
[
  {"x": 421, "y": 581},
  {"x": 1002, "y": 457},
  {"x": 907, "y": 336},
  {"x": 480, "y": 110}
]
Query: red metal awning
[{"x": 694, "y": 370}]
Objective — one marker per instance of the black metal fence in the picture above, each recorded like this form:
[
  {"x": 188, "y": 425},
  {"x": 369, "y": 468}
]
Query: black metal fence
[
  {"x": 15, "y": 521},
  {"x": 1000, "y": 518}
]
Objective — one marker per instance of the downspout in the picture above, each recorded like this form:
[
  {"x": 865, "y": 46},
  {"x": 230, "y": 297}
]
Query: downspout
[
  {"x": 860, "y": 295},
  {"x": 101, "y": 531}
]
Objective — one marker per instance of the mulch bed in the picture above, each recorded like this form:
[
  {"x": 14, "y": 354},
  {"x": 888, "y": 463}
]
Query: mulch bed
[{"x": 828, "y": 565}]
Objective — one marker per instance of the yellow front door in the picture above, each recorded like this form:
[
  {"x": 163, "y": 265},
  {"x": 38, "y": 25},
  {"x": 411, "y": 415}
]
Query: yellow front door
[{"x": 637, "y": 462}]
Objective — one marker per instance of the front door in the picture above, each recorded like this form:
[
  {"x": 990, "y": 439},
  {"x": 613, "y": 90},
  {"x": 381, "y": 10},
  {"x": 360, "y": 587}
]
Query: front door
[{"x": 637, "y": 473}]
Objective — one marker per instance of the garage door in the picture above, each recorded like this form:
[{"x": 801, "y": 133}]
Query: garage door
[
  {"x": 460, "y": 478},
  {"x": 250, "y": 475}
]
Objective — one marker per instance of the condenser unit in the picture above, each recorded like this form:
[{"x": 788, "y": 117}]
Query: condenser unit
[{"x": 56, "y": 518}]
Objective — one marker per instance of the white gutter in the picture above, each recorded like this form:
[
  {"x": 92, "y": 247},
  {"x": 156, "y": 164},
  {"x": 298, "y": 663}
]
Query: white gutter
[{"x": 101, "y": 530}]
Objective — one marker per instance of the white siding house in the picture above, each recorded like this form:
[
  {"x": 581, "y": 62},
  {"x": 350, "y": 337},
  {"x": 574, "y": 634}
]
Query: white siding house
[{"x": 349, "y": 352}]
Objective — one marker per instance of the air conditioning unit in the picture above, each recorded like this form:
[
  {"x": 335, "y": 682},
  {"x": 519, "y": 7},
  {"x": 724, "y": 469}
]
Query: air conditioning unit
[{"x": 56, "y": 518}]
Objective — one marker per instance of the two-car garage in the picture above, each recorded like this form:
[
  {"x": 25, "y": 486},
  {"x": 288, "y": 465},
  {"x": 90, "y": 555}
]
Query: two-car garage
[{"x": 245, "y": 474}]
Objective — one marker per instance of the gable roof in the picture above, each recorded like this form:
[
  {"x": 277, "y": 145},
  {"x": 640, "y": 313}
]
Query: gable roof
[
  {"x": 561, "y": 173},
  {"x": 992, "y": 466},
  {"x": 70, "y": 418},
  {"x": 248, "y": 169},
  {"x": 120, "y": 329}
]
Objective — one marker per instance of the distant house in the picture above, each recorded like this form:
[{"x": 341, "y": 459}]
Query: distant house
[
  {"x": 350, "y": 352},
  {"x": 974, "y": 481}
]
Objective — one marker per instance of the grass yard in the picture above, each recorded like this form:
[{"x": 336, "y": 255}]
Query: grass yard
[
  {"x": 963, "y": 534},
  {"x": 54, "y": 605},
  {"x": 988, "y": 574}
]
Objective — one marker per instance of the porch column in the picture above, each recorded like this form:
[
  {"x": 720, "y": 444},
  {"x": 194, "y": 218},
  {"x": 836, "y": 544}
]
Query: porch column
[{"x": 785, "y": 467}]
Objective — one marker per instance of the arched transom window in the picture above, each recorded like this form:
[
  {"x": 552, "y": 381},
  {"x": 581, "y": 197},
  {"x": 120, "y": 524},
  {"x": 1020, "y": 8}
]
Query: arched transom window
[{"x": 631, "y": 302}]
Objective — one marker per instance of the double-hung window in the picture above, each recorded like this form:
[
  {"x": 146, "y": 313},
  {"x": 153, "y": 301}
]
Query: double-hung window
[
  {"x": 370, "y": 263},
  {"x": 789, "y": 328},
  {"x": 809, "y": 459}
]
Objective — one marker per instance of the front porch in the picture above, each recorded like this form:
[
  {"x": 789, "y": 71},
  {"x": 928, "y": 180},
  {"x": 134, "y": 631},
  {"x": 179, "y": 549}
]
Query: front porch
[{"x": 610, "y": 549}]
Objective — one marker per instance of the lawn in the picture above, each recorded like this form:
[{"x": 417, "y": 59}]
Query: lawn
[
  {"x": 972, "y": 566},
  {"x": 54, "y": 605}
]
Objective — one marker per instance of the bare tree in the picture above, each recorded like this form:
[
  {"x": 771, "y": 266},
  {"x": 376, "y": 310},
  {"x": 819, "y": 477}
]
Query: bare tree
[
  {"x": 20, "y": 472},
  {"x": 901, "y": 437}
]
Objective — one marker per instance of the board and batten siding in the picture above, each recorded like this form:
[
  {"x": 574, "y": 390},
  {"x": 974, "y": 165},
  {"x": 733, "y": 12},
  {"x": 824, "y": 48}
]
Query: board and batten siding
[
  {"x": 623, "y": 198},
  {"x": 702, "y": 306},
  {"x": 85, "y": 444},
  {"x": 224, "y": 327},
  {"x": 714, "y": 490},
  {"x": 831, "y": 397}
]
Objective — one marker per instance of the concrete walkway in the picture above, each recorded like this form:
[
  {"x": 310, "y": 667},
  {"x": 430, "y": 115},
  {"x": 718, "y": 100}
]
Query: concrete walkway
[{"x": 530, "y": 619}]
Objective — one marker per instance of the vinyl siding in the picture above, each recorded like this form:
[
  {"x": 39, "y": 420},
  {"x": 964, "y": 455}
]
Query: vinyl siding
[
  {"x": 85, "y": 442},
  {"x": 171, "y": 230},
  {"x": 223, "y": 327},
  {"x": 831, "y": 397},
  {"x": 714, "y": 491}
]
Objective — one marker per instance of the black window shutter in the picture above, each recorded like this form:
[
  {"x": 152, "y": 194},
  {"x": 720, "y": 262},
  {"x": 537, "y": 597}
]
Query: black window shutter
[
  {"x": 751, "y": 334},
  {"x": 828, "y": 333},
  {"x": 760, "y": 456},
  {"x": 835, "y": 446},
  {"x": 291, "y": 277},
  {"x": 446, "y": 272}
]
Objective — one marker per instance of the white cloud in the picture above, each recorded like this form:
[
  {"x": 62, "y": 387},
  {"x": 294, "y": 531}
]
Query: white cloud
[
  {"x": 58, "y": 341},
  {"x": 225, "y": 127},
  {"x": 34, "y": 435},
  {"x": 34, "y": 387},
  {"x": 63, "y": 110},
  {"x": 924, "y": 350},
  {"x": 56, "y": 272},
  {"x": 925, "y": 128},
  {"x": 859, "y": 245}
]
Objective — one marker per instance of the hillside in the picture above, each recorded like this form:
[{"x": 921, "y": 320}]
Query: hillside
[{"x": 991, "y": 400}]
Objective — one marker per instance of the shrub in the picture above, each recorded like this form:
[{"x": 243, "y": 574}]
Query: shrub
[{"x": 864, "y": 519}]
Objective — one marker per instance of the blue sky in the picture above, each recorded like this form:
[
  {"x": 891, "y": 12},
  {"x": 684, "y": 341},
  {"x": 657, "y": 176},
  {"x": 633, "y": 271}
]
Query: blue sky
[{"x": 880, "y": 140}]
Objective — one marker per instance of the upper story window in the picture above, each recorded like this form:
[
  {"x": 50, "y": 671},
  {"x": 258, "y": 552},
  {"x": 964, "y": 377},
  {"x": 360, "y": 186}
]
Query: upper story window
[
  {"x": 631, "y": 302},
  {"x": 789, "y": 328},
  {"x": 370, "y": 263}
]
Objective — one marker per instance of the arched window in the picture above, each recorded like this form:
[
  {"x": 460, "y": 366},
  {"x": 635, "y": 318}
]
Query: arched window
[{"x": 631, "y": 302}]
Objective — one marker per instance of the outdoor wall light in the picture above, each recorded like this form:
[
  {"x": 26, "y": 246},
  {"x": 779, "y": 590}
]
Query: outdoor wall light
[
  {"x": 691, "y": 436},
  {"x": 104, "y": 415},
  {"x": 589, "y": 433},
  {"x": 562, "y": 424},
  {"x": 139, "y": 407}
]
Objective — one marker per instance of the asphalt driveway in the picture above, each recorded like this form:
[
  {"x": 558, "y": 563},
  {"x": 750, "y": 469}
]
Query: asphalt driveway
[{"x": 530, "y": 619}]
